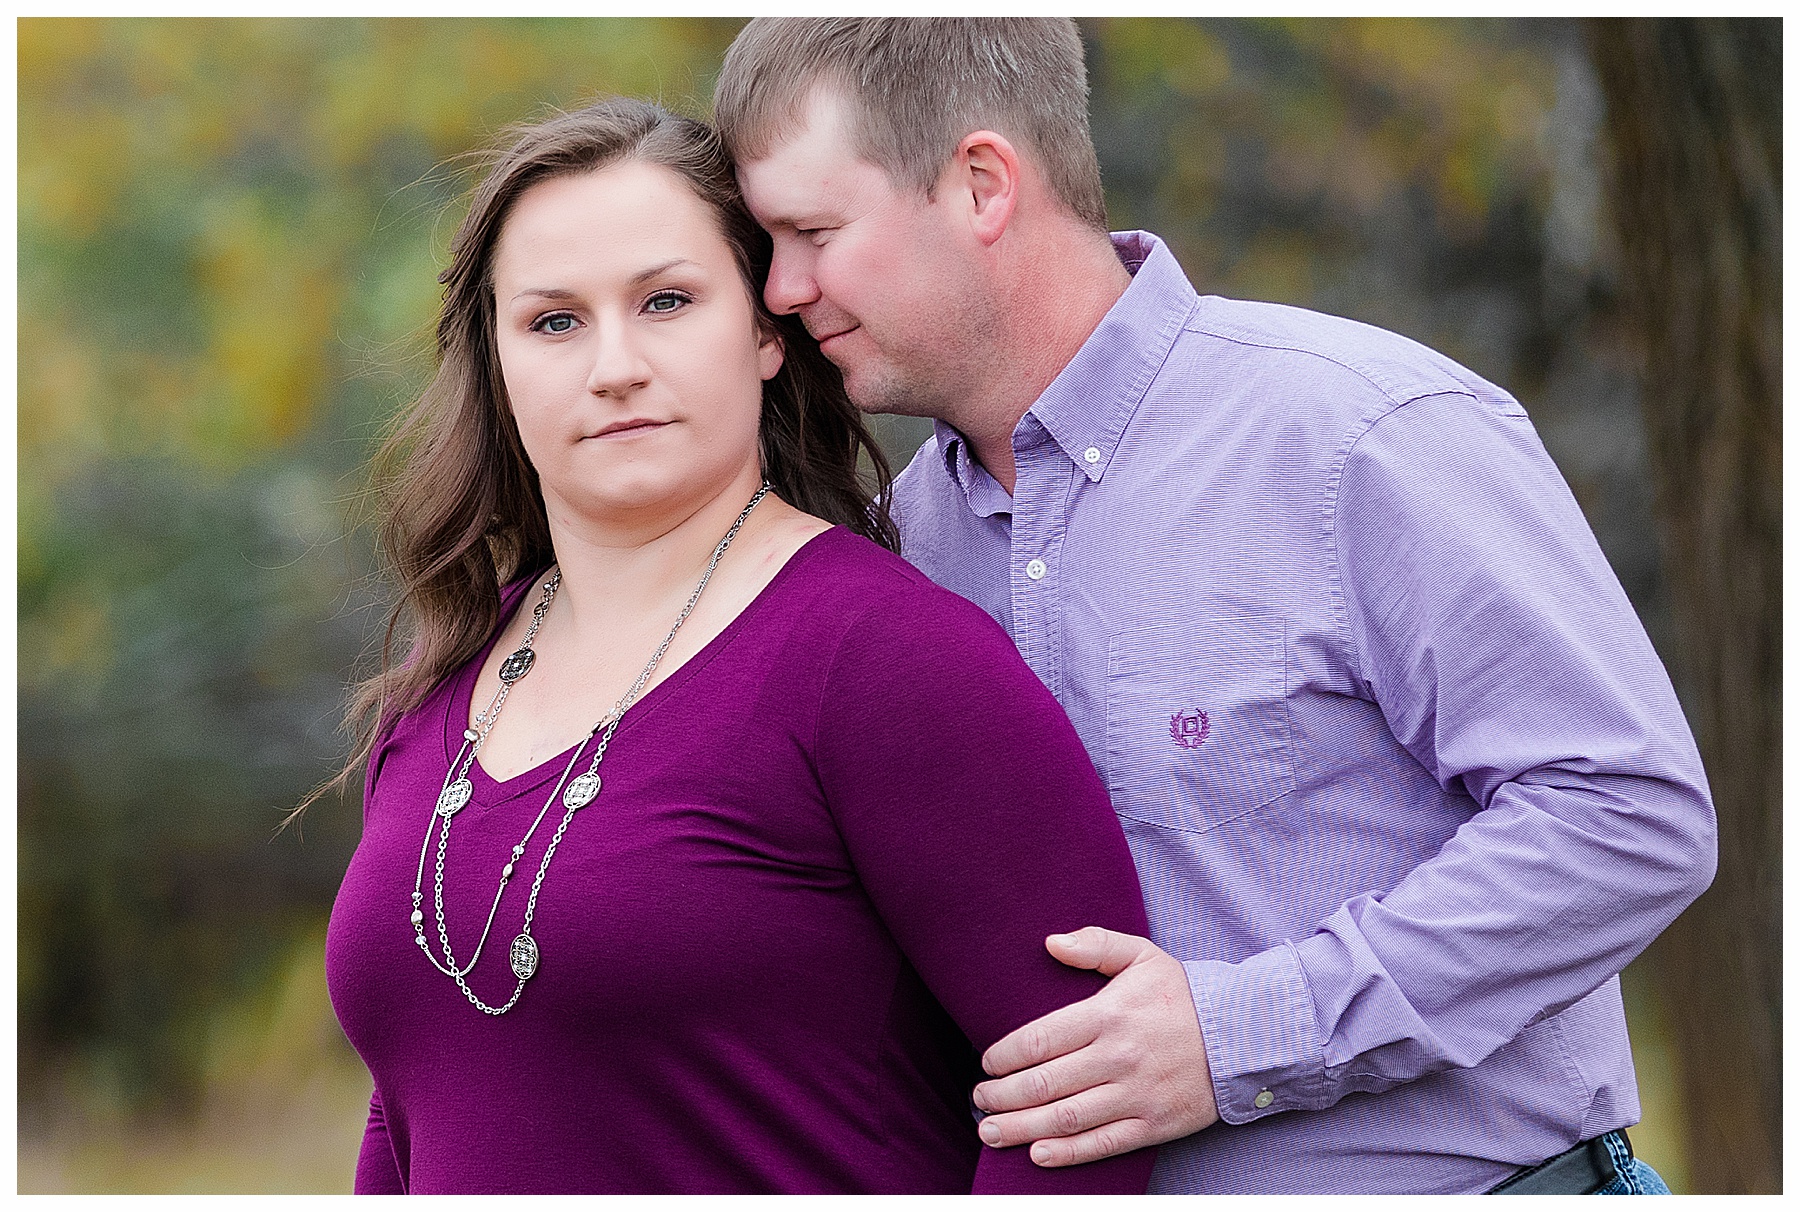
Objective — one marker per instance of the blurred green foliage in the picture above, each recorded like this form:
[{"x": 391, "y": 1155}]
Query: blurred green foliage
[
  {"x": 229, "y": 232},
  {"x": 1396, "y": 171}
]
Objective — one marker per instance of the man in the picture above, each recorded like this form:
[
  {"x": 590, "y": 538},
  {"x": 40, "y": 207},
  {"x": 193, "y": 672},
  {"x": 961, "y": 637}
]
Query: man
[{"x": 1405, "y": 782}]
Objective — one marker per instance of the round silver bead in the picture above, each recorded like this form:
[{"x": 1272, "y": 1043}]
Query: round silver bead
[{"x": 418, "y": 916}]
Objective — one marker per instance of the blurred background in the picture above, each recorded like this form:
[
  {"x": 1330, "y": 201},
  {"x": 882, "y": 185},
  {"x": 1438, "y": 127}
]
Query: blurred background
[{"x": 229, "y": 232}]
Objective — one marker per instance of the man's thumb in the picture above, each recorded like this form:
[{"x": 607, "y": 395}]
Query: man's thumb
[{"x": 1106, "y": 951}]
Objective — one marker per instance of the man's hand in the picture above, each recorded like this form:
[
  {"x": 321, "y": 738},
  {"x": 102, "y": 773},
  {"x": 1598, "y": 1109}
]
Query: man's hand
[{"x": 1124, "y": 1069}]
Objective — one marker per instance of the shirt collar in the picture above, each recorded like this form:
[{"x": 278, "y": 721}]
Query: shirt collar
[
  {"x": 1085, "y": 408},
  {"x": 983, "y": 492}
]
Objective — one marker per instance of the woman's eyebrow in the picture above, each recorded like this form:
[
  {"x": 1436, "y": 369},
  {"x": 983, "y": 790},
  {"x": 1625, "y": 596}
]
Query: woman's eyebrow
[
  {"x": 641, "y": 276},
  {"x": 545, "y": 292},
  {"x": 644, "y": 275}
]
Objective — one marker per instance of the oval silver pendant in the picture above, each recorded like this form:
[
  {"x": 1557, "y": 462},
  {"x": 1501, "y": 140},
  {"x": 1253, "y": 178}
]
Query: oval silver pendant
[
  {"x": 517, "y": 665},
  {"x": 581, "y": 792},
  {"x": 455, "y": 796},
  {"x": 524, "y": 956}
]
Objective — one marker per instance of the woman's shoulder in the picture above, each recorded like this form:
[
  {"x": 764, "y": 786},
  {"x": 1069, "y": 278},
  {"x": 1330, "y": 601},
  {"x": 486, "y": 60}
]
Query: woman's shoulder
[
  {"x": 871, "y": 623},
  {"x": 849, "y": 574}
]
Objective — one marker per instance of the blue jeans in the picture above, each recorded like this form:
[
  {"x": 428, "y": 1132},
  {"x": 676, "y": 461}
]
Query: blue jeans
[{"x": 1635, "y": 1178}]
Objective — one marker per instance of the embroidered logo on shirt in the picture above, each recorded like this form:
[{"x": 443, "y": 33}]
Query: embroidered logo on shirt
[{"x": 1189, "y": 729}]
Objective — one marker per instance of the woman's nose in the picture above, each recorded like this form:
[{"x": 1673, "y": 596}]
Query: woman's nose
[{"x": 619, "y": 367}]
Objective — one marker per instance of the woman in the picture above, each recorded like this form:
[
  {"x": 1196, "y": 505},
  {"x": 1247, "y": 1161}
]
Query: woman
[{"x": 751, "y": 929}]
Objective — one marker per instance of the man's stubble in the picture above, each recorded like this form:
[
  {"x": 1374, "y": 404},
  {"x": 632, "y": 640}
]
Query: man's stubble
[{"x": 939, "y": 371}]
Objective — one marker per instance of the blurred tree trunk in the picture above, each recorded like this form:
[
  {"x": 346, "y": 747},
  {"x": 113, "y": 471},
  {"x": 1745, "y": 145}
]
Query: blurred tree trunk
[{"x": 1694, "y": 122}]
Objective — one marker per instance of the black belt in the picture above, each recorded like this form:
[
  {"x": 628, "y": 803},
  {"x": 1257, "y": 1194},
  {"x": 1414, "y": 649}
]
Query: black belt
[{"x": 1583, "y": 1170}]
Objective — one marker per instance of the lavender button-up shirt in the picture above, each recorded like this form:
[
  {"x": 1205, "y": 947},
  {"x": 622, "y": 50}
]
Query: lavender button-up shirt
[{"x": 1405, "y": 782}]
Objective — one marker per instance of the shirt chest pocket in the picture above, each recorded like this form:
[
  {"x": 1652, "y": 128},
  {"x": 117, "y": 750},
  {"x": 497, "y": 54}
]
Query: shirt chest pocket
[{"x": 1196, "y": 721}]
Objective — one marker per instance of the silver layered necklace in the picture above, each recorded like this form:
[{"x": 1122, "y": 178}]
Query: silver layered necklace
[{"x": 575, "y": 794}]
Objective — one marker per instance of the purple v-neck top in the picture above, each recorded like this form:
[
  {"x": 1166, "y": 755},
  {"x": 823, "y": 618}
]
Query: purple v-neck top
[{"x": 814, "y": 886}]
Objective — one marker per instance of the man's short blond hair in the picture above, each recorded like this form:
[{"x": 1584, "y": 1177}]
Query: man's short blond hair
[{"x": 917, "y": 86}]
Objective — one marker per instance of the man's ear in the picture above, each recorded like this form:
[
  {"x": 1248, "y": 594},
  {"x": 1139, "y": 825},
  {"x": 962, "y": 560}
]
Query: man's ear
[
  {"x": 770, "y": 352},
  {"x": 987, "y": 170}
]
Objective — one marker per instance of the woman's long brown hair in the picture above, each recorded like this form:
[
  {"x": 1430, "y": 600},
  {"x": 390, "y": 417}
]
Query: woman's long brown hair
[{"x": 461, "y": 511}]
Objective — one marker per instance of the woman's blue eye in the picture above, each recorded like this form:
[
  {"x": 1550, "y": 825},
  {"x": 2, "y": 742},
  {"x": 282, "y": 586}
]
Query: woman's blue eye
[
  {"x": 663, "y": 304},
  {"x": 557, "y": 324}
]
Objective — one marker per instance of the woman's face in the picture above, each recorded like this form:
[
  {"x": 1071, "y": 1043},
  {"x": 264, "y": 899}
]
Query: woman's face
[{"x": 628, "y": 343}]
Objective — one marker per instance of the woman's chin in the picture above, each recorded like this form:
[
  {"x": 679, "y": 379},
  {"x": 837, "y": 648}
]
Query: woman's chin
[{"x": 639, "y": 495}]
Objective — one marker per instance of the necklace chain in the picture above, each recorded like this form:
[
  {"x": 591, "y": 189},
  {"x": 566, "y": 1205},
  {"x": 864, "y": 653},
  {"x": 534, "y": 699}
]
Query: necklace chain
[{"x": 575, "y": 794}]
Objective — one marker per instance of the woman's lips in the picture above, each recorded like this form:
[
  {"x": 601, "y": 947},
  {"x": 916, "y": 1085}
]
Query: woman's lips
[{"x": 627, "y": 429}]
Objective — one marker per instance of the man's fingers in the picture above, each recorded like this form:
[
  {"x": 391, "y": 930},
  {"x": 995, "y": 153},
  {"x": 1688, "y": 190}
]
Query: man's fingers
[
  {"x": 1056, "y": 1034},
  {"x": 1107, "y": 1140},
  {"x": 1040, "y": 1084},
  {"x": 1066, "y": 1117},
  {"x": 1106, "y": 951},
  {"x": 1122, "y": 1070},
  {"x": 1063, "y": 1031}
]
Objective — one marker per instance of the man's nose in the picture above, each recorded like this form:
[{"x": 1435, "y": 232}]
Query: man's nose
[{"x": 791, "y": 285}]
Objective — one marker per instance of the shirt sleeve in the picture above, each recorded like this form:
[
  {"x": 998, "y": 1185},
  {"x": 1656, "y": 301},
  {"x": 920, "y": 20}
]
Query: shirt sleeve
[
  {"x": 1503, "y": 653},
  {"x": 376, "y": 1171},
  {"x": 978, "y": 826}
]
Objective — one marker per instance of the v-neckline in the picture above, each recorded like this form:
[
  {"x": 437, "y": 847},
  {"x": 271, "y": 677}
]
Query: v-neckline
[{"x": 458, "y": 704}]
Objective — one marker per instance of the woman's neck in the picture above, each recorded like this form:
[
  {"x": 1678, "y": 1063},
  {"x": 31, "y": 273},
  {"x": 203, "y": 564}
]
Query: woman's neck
[
  {"x": 623, "y": 587},
  {"x": 631, "y": 561}
]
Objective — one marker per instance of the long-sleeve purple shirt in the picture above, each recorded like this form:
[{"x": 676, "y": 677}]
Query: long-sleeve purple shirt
[
  {"x": 1406, "y": 784},
  {"x": 815, "y": 884}
]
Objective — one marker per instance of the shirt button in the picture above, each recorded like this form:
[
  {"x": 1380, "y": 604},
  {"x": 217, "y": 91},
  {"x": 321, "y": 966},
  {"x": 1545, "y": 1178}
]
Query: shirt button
[
  {"x": 1036, "y": 570},
  {"x": 1091, "y": 454},
  {"x": 1263, "y": 1099}
]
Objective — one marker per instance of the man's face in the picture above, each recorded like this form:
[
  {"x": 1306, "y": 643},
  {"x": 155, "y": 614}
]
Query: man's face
[{"x": 879, "y": 274}]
